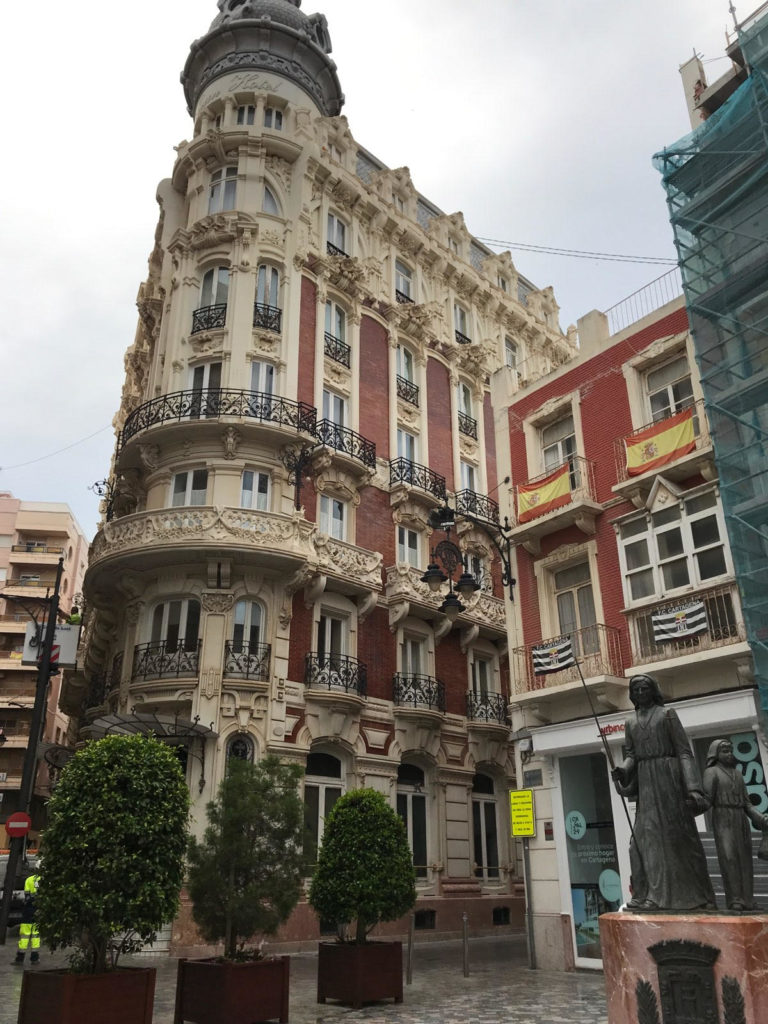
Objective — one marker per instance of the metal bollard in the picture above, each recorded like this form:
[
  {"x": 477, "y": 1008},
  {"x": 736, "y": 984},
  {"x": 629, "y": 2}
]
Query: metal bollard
[
  {"x": 409, "y": 957},
  {"x": 465, "y": 928}
]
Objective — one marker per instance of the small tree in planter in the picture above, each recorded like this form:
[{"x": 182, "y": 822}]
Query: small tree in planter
[
  {"x": 244, "y": 878},
  {"x": 111, "y": 871},
  {"x": 364, "y": 875}
]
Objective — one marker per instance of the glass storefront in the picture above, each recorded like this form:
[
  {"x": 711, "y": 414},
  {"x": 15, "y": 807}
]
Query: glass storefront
[{"x": 591, "y": 846}]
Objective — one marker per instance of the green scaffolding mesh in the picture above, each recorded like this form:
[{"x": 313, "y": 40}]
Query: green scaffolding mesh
[{"x": 716, "y": 179}]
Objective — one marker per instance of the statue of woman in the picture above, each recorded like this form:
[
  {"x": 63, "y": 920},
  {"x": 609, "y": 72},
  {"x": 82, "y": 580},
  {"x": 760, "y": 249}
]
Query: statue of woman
[
  {"x": 669, "y": 867},
  {"x": 732, "y": 812}
]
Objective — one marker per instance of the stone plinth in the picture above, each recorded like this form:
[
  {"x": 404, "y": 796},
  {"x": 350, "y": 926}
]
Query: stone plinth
[{"x": 703, "y": 967}]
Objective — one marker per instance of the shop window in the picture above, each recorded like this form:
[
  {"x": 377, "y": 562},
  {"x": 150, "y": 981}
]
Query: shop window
[
  {"x": 412, "y": 808},
  {"x": 322, "y": 788},
  {"x": 484, "y": 827}
]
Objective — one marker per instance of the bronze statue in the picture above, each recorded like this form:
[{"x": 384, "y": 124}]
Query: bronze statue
[
  {"x": 669, "y": 868},
  {"x": 732, "y": 812}
]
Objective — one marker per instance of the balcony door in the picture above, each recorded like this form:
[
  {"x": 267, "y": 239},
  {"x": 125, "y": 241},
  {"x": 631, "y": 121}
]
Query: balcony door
[
  {"x": 576, "y": 607},
  {"x": 331, "y": 640},
  {"x": 206, "y": 385},
  {"x": 177, "y": 624}
]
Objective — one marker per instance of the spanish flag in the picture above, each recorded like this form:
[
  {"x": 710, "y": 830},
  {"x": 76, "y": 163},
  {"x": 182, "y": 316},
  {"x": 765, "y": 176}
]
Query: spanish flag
[
  {"x": 544, "y": 495},
  {"x": 661, "y": 443}
]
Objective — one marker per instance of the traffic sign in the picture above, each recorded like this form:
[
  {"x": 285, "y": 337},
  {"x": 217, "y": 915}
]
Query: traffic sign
[
  {"x": 18, "y": 824},
  {"x": 521, "y": 814}
]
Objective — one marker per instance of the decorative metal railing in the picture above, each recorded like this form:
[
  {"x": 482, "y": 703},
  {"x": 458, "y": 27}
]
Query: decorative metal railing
[
  {"x": 407, "y": 390},
  {"x": 402, "y": 297},
  {"x": 336, "y": 672},
  {"x": 478, "y": 505},
  {"x": 487, "y": 707},
  {"x": 215, "y": 402},
  {"x": 37, "y": 549},
  {"x": 270, "y": 318},
  {"x": 207, "y": 318},
  {"x": 246, "y": 660},
  {"x": 597, "y": 647},
  {"x": 165, "y": 659},
  {"x": 342, "y": 439},
  {"x": 337, "y": 349},
  {"x": 701, "y": 438},
  {"x": 30, "y": 583},
  {"x": 417, "y": 691},
  {"x": 462, "y": 338},
  {"x": 467, "y": 425},
  {"x": 334, "y": 250},
  {"x": 406, "y": 472}
]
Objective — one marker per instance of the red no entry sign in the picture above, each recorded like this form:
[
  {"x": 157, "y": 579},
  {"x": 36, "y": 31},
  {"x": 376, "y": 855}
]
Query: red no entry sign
[{"x": 18, "y": 824}]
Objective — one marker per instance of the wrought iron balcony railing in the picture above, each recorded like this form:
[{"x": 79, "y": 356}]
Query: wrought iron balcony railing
[
  {"x": 462, "y": 338},
  {"x": 417, "y": 691},
  {"x": 342, "y": 439},
  {"x": 402, "y": 297},
  {"x": 334, "y": 250},
  {"x": 467, "y": 425},
  {"x": 30, "y": 583},
  {"x": 725, "y": 626},
  {"x": 597, "y": 647},
  {"x": 701, "y": 438},
  {"x": 164, "y": 659},
  {"x": 403, "y": 471},
  {"x": 211, "y": 403},
  {"x": 270, "y": 318},
  {"x": 407, "y": 390},
  {"x": 38, "y": 549},
  {"x": 335, "y": 672},
  {"x": 245, "y": 660},
  {"x": 480, "y": 506},
  {"x": 487, "y": 707},
  {"x": 337, "y": 349},
  {"x": 207, "y": 318}
]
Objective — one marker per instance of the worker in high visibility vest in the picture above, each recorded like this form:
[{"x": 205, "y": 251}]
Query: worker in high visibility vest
[{"x": 29, "y": 936}]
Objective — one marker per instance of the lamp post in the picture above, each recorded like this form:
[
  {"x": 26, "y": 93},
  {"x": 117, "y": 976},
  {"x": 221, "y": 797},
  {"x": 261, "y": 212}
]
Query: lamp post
[{"x": 16, "y": 845}]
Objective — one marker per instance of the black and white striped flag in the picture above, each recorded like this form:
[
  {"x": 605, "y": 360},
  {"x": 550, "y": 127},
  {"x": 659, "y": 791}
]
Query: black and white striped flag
[
  {"x": 678, "y": 622},
  {"x": 553, "y": 655}
]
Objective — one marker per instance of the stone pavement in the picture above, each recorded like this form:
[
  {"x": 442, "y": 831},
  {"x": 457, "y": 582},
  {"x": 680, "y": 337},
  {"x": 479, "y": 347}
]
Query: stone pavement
[{"x": 499, "y": 990}]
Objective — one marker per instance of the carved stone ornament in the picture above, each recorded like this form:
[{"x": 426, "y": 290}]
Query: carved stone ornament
[
  {"x": 210, "y": 683},
  {"x": 341, "y": 559},
  {"x": 149, "y": 455},
  {"x": 217, "y": 602},
  {"x": 686, "y": 981},
  {"x": 230, "y": 439},
  {"x": 133, "y": 612}
]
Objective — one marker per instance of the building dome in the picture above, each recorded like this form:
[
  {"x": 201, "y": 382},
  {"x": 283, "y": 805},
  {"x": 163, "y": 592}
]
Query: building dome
[{"x": 269, "y": 36}]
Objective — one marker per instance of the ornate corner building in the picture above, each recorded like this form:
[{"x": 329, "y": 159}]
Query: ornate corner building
[{"x": 309, "y": 382}]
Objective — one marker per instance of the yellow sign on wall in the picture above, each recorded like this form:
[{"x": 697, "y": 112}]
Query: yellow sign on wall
[{"x": 521, "y": 814}]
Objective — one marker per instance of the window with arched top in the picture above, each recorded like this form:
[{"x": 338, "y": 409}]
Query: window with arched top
[
  {"x": 270, "y": 203},
  {"x": 240, "y": 747},
  {"x": 485, "y": 843},
  {"x": 322, "y": 788},
  {"x": 412, "y": 808}
]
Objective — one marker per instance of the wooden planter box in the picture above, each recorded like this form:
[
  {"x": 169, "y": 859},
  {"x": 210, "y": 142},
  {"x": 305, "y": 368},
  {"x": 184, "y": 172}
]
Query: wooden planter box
[
  {"x": 220, "y": 992},
  {"x": 360, "y": 974},
  {"x": 118, "y": 997}
]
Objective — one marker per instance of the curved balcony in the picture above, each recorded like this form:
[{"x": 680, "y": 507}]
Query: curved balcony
[
  {"x": 336, "y": 672},
  {"x": 209, "y": 318},
  {"x": 487, "y": 707},
  {"x": 165, "y": 659},
  {"x": 346, "y": 441},
  {"x": 268, "y": 318},
  {"x": 403, "y": 471},
  {"x": 407, "y": 594},
  {"x": 417, "y": 691},
  {"x": 217, "y": 403},
  {"x": 244, "y": 660}
]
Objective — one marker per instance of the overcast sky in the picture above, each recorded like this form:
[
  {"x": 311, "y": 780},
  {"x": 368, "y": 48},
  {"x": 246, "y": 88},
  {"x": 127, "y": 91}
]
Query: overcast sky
[{"x": 536, "y": 118}]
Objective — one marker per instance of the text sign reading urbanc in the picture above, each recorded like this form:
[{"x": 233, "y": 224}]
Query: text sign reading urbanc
[{"x": 521, "y": 816}]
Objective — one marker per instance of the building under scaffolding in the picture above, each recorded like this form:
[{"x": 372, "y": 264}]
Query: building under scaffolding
[{"x": 716, "y": 179}]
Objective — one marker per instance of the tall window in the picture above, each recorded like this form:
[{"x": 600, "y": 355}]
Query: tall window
[
  {"x": 215, "y": 289},
  {"x": 407, "y": 447},
  {"x": 335, "y": 320},
  {"x": 223, "y": 190},
  {"x": 331, "y": 638},
  {"x": 332, "y": 517},
  {"x": 206, "y": 381},
  {"x": 678, "y": 546},
  {"x": 177, "y": 623},
  {"x": 322, "y": 788},
  {"x": 408, "y": 546},
  {"x": 262, "y": 377},
  {"x": 576, "y": 606},
  {"x": 254, "y": 490},
  {"x": 334, "y": 408},
  {"x": 558, "y": 442},
  {"x": 337, "y": 233},
  {"x": 460, "y": 318},
  {"x": 403, "y": 280},
  {"x": 412, "y": 808},
  {"x": 482, "y": 676},
  {"x": 247, "y": 625},
  {"x": 467, "y": 476},
  {"x": 190, "y": 488},
  {"x": 246, "y": 114},
  {"x": 503, "y": 283},
  {"x": 270, "y": 203},
  {"x": 413, "y": 656},
  {"x": 267, "y": 285},
  {"x": 669, "y": 388},
  {"x": 510, "y": 353},
  {"x": 273, "y": 118},
  {"x": 464, "y": 396},
  {"x": 484, "y": 828},
  {"x": 404, "y": 362}
]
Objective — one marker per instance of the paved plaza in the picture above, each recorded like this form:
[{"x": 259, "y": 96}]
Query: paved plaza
[{"x": 499, "y": 990}]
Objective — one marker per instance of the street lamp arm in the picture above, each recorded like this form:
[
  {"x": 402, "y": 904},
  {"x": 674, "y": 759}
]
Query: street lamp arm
[{"x": 498, "y": 535}]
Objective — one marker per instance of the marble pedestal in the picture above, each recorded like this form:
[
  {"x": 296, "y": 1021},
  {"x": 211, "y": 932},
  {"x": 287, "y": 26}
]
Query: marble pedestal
[{"x": 681, "y": 968}]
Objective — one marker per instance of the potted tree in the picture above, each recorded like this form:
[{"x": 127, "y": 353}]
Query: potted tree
[
  {"x": 364, "y": 875},
  {"x": 110, "y": 874},
  {"x": 244, "y": 879}
]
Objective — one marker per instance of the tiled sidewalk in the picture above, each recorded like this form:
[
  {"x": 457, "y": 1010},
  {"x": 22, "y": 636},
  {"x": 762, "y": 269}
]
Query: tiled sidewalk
[{"x": 499, "y": 990}]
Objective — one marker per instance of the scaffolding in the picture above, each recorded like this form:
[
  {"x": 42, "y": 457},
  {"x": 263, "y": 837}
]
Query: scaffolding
[{"x": 716, "y": 179}]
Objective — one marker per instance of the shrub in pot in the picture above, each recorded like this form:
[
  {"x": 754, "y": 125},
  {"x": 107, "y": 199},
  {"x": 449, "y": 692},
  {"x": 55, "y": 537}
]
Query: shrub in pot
[
  {"x": 244, "y": 879},
  {"x": 364, "y": 875},
  {"x": 110, "y": 874}
]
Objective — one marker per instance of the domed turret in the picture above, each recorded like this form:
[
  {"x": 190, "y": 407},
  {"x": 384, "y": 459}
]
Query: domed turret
[{"x": 270, "y": 36}]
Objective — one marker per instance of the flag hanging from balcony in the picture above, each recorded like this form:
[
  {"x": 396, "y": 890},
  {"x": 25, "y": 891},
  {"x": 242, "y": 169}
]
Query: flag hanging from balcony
[
  {"x": 544, "y": 495},
  {"x": 681, "y": 621},
  {"x": 661, "y": 443},
  {"x": 553, "y": 655}
]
